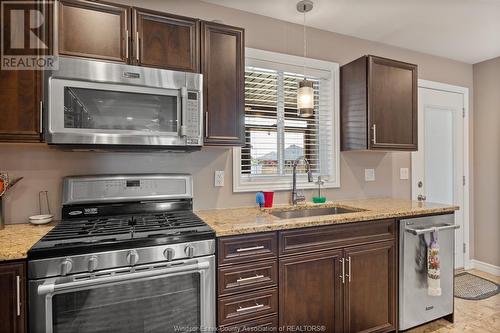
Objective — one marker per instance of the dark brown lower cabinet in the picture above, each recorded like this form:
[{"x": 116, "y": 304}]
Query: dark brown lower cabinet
[
  {"x": 370, "y": 290},
  {"x": 267, "y": 324},
  {"x": 12, "y": 304},
  {"x": 337, "y": 278},
  {"x": 311, "y": 292}
]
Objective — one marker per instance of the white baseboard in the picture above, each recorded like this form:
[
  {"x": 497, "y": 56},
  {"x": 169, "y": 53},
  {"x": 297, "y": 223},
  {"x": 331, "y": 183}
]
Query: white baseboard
[{"x": 485, "y": 267}]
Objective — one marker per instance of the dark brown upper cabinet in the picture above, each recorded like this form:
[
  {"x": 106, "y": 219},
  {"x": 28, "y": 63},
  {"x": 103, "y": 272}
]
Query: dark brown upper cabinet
[
  {"x": 13, "y": 300},
  {"x": 21, "y": 91},
  {"x": 93, "y": 30},
  {"x": 222, "y": 66},
  {"x": 20, "y": 107},
  {"x": 379, "y": 104},
  {"x": 166, "y": 41}
]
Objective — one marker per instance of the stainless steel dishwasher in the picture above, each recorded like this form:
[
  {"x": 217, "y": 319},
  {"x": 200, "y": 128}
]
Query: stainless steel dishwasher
[{"x": 416, "y": 307}]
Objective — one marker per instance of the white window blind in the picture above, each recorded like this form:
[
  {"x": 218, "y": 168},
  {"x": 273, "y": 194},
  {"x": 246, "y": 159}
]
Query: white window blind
[{"x": 275, "y": 134}]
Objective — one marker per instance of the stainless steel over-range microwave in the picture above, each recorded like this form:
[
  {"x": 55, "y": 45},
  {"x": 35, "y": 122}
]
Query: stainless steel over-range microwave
[{"x": 107, "y": 105}]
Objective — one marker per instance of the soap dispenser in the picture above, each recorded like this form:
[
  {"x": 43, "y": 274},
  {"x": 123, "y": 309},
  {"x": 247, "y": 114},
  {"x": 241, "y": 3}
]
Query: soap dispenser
[{"x": 318, "y": 198}]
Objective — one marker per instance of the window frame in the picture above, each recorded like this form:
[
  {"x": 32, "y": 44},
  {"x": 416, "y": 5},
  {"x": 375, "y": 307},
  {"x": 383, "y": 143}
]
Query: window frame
[{"x": 278, "y": 183}]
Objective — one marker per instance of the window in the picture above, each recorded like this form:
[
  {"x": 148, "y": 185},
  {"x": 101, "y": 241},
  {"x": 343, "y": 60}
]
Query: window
[{"x": 275, "y": 134}]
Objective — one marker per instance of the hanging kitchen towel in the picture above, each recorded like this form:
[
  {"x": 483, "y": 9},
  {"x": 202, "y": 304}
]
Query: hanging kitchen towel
[
  {"x": 433, "y": 267},
  {"x": 421, "y": 261}
]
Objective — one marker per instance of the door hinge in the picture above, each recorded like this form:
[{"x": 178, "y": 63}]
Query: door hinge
[
  {"x": 463, "y": 180},
  {"x": 463, "y": 112},
  {"x": 465, "y": 247}
]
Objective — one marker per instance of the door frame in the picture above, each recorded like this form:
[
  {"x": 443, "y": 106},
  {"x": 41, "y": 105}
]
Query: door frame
[{"x": 466, "y": 200}]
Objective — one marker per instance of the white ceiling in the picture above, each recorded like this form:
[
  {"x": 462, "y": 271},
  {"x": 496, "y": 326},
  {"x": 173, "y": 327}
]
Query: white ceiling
[{"x": 464, "y": 30}]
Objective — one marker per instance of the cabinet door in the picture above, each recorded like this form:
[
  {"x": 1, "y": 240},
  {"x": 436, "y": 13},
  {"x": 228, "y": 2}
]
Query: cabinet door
[
  {"x": 222, "y": 65},
  {"x": 20, "y": 93},
  {"x": 12, "y": 302},
  {"x": 166, "y": 41},
  {"x": 371, "y": 287},
  {"x": 311, "y": 291},
  {"x": 93, "y": 30},
  {"x": 392, "y": 103}
]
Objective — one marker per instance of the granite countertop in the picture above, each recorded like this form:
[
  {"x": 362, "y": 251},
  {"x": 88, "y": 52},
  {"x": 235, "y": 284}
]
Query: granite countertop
[
  {"x": 17, "y": 239},
  {"x": 239, "y": 221}
]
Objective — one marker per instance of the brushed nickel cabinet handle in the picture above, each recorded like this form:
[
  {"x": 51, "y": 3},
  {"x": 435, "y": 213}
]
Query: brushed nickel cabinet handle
[
  {"x": 349, "y": 269},
  {"x": 18, "y": 295},
  {"x": 126, "y": 44},
  {"x": 374, "y": 138},
  {"x": 253, "y": 248},
  {"x": 342, "y": 276},
  {"x": 253, "y": 307},
  {"x": 137, "y": 45},
  {"x": 41, "y": 117},
  {"x": 206, "y": 124},
  {"x": 247, "y": 279}
]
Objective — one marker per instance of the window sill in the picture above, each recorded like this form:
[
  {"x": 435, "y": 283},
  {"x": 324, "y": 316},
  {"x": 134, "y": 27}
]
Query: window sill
[{"x": 277, "y": 185}]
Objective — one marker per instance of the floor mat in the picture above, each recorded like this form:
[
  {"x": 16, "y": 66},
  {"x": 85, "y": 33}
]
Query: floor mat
[{"x": 472, "y": 287}]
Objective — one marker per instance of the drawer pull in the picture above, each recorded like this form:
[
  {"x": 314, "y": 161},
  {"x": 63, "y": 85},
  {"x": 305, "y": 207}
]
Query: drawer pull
[
  {"x": 251, "y": 278},
  {"x": 253, "y": 248},
  {"x": 253, "y": 307}
]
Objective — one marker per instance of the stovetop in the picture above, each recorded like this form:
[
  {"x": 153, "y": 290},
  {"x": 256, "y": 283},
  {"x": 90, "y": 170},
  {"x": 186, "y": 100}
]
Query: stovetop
[{"x": 114, "y": 232}]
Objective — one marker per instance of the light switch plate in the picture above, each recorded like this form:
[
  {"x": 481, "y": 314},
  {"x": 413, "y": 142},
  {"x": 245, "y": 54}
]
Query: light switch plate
[
  {"x": 219, "y": 178},
  {"x": 369, "y": 175},
  {"x": 404, "y": 173}
]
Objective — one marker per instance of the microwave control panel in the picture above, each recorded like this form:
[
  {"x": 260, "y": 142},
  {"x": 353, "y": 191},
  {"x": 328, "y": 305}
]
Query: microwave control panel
[{"x": 192, "y": 121}]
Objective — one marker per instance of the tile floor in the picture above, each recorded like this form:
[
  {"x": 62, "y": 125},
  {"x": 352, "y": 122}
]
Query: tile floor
[{"x": 470, "y": 316}]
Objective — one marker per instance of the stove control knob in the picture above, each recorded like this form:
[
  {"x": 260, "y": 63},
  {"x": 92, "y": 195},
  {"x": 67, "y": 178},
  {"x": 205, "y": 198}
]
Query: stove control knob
[
  {"x": 66, "y": 266},
  {"x": 189, "y": 250},
  {"x": 92, "y": 263},
  {"x": 169, "y": 254},
  {"x": 132, "y": 257}
]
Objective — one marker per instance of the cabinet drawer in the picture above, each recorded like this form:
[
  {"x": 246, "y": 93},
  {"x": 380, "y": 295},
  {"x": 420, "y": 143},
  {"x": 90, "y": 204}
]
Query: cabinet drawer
[
  {"x": 246, "y": 248},
  {"x": 267, "y": 324},
  {"x": 335, "y": 236},
  {"x": 235, "y": 279},
  {"x": 237, "y": 309}
]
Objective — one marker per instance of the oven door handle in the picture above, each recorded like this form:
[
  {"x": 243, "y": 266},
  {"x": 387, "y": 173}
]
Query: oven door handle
[
  {"x": 50, "y": 288},
  {"x": 433, "y": 229},
  {"x": 184, "y": 100}
]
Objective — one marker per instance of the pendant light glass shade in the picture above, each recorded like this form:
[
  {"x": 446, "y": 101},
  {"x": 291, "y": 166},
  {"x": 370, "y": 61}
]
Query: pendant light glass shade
[{"x": 305, "y": 98}]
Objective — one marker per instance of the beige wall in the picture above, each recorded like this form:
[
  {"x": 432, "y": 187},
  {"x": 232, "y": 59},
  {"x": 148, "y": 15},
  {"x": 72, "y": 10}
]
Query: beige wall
[
  {"x": 487, "y": 161},
  {"x": 43, "y": 167}
]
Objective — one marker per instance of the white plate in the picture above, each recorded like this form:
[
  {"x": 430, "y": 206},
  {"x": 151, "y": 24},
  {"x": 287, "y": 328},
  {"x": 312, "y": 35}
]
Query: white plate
[{"x": 41, "y": 219}]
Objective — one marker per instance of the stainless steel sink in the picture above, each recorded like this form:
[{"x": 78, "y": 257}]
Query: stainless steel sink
[{"x": 295, "y": 213}]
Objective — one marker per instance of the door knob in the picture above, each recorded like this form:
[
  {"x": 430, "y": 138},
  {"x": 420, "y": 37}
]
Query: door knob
[
  {"x": 420, "y": 184},
  {"x": 421, "y": 197}
]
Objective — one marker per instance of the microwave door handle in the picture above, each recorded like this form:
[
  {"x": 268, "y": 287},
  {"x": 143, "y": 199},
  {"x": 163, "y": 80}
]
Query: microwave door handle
[
  {"x": 50, "y": 288},
  {"x": 182, "y": 128}
]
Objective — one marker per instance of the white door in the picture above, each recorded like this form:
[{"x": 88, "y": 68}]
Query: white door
[{"x": 438, "y": 165}]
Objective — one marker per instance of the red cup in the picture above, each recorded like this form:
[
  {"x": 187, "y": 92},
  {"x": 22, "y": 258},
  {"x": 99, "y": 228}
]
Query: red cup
[{"x": 268, "y": 199}]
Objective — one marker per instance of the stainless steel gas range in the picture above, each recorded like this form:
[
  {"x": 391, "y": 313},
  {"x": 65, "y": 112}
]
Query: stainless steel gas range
[{"x": 128, "y": 256}]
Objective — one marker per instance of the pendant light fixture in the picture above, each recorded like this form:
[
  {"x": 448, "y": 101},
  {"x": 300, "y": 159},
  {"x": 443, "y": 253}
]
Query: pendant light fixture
[{"x": 305, "y": 94}]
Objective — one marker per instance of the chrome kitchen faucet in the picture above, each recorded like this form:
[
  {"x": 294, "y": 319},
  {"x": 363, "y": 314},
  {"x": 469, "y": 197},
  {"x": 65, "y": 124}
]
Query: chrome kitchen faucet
[{"x": 296, "y": 196}]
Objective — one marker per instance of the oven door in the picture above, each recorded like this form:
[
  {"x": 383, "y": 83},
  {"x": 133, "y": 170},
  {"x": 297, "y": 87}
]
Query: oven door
[
  {"x": 96, "y": 113},
  {"x": 175, "y": 298}
]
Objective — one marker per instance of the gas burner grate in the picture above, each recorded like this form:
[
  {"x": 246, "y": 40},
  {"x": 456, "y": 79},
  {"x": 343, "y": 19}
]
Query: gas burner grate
[{"x": 147, "y": 225}]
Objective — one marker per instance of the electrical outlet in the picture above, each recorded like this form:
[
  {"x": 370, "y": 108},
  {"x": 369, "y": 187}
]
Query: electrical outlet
[
  {"x": 404, "y": 173},
  {"x": 369, "y": 175},
  {"x": 219, "y": 178}
]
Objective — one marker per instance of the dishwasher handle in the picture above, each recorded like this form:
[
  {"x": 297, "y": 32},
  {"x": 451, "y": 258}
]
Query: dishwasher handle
[{"x": 432, "y": 229}]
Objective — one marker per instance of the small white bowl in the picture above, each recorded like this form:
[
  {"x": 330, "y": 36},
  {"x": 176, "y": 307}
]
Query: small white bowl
[{"x": 41, "y": 219}]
